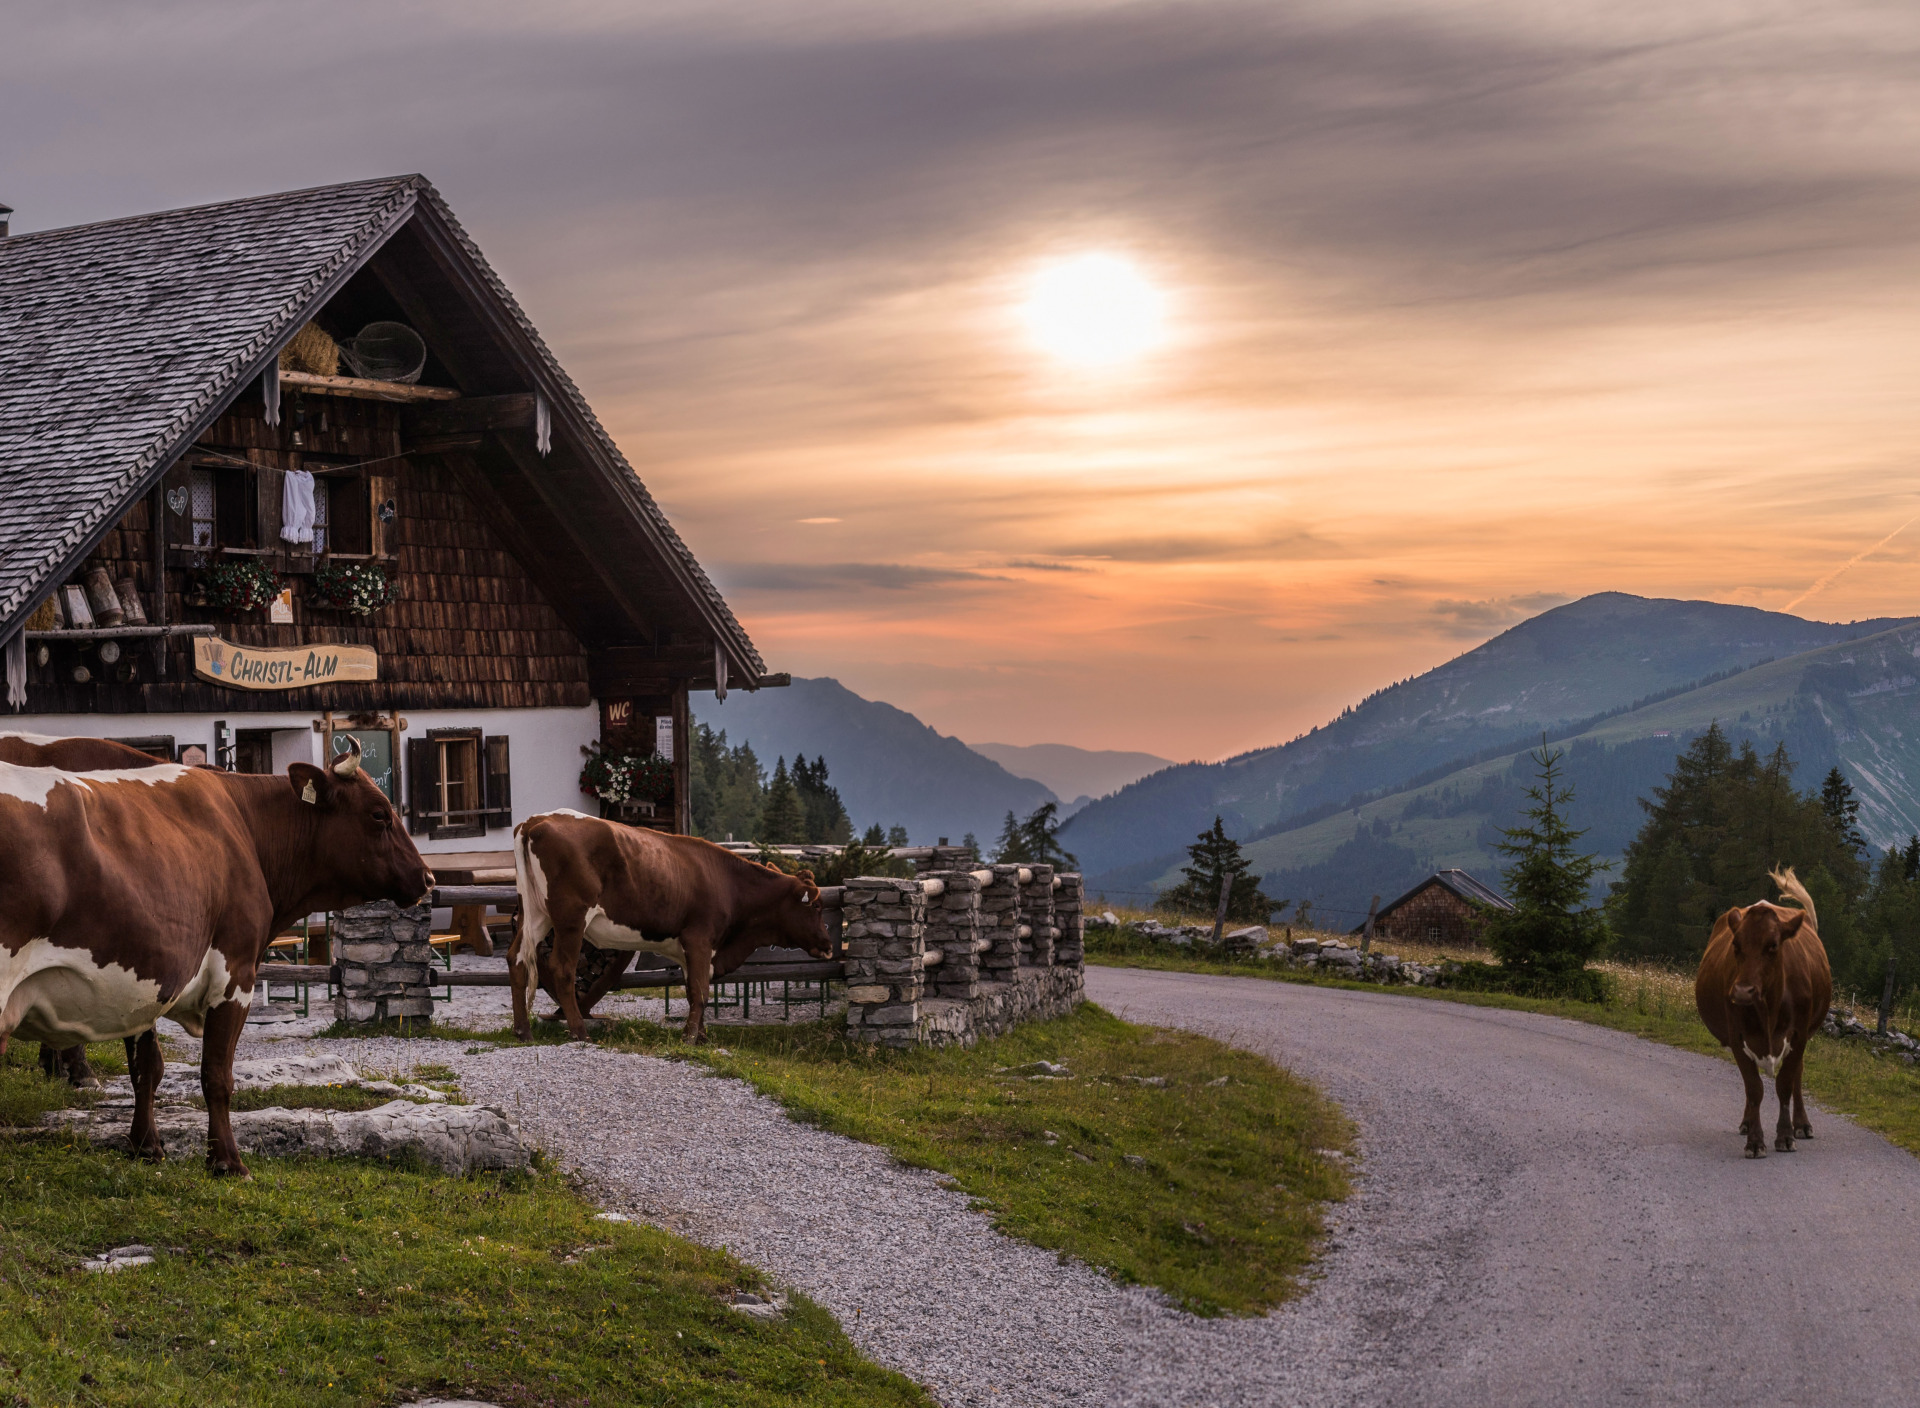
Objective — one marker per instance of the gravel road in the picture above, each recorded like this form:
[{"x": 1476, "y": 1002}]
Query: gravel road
[{"x": 1551, "y": 1213}]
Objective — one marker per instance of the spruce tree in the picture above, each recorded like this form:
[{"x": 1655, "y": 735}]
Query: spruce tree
[
  {"x": 1012, "y": 849},
  {"x": 783, "y": 821},
  {"x": 1545, "y": 940},
  {"x": 1213, "y": 856},
  {"x": 1843, "y": 810}
]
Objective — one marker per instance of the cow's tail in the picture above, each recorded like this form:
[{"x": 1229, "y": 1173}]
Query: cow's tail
[
  {"x": 531, "y": 881},
  {"x": 1791, "y": 887}
]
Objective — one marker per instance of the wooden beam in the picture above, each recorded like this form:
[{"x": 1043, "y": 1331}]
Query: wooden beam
[{"x": 316, "y": 385}]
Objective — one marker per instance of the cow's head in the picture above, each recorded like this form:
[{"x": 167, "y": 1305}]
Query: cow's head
[
  {"x": 1756, "y": 982},
  {"x": 801, "y": 922},
  {"x": 360, "y": 851}
]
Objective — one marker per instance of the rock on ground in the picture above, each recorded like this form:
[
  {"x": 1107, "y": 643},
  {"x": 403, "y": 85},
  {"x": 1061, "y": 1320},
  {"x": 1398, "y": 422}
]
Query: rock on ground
[{"x": 455, "y": 1138}]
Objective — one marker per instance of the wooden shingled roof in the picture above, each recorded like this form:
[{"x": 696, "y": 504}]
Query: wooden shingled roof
[{"x": 121, "y": 342}]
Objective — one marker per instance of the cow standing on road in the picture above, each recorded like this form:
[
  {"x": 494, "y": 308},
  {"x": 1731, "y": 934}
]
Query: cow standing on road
[
  {"x": 589, "y": 881},
  {"x": 1763, "y": 989},
  {"x": 140, "y": 893}
]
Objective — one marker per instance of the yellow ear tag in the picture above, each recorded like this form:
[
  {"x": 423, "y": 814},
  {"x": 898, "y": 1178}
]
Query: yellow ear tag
[{"x": 309, "y": 796}]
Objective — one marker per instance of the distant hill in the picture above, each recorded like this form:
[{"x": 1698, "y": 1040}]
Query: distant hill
[
  {"x": 1598, "y": 654},
  {"x": 889, "y": 767},
  {"x": 1855, "y": 705},
  {"x": 1072, "y": 773}
]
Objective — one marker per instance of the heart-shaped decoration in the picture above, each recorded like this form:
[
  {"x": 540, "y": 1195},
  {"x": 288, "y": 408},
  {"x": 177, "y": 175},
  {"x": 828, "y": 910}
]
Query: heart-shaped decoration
[{"x": 177, "y": 500}]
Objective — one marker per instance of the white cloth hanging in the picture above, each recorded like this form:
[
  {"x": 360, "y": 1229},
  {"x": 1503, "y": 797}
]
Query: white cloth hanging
[
  {"x": 270, "y": 391},
  {"x": 542, "y": 423},
  {"x": 16, "y": 653},
  {"x": 719, "y": 673},
  {"x": 296, "y": 507}
]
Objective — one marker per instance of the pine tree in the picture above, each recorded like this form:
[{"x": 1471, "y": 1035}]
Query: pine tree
[
  {"x": 1910, "y": 858},
  {"x": 728, "y": 787},
  {"x": 1722, "y": 820},
  {"x": 1012, "y": 849},
  {"x": 1545, "y": 940},
  {"x": 897, "y": 836},
  {"x": 1213, "y": 856},
  {"x": 1843, "y": 810},
  {"x": 826, "y": 817},
  {"x": 783, "y": 820},
  {"x": 876, "y": 835}
]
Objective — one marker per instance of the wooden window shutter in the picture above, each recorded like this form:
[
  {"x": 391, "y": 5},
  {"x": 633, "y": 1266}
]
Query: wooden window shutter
[
  {"x": 499, "y": 772},
  {"x": 420, "y": 777},
  {"x": 270, "y": 486}
]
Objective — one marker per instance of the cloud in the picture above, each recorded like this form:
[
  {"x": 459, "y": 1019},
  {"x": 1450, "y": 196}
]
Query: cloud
[
  {"x": 1479, "y": 618},
  {"x": 1032, "y": 566},
  {"x": 1219, "y": 547},
  {"x": 842, "y": 576}
]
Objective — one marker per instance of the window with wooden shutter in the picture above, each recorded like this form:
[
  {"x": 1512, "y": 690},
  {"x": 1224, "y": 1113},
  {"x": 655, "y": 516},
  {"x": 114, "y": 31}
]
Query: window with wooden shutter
[
  {"x": 236, "y": 509},
  {"x": 499, "y": 781},
  {"x": 456, "y": 783},
  {"x": 349, "y": 516}
]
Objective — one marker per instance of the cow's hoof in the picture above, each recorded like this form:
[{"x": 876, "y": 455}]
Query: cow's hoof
[
  {"x": 1756, "y": 1151},
  {"x": 230, "y": 1166},
  {"x": 1783, "y": 1145},
  {"x": 149, "y": 1153},
  {"x": 1803, "y": 1131}
]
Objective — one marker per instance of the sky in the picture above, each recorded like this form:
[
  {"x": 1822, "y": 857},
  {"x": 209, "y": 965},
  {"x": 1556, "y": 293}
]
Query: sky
[{"x": 1147, "y": 376}]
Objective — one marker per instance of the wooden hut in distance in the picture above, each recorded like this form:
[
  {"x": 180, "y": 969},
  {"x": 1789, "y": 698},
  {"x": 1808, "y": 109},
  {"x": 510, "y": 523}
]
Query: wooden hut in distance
[
  {"x": 473, "y": 583},
  {"x": 1449, "y": 907}
]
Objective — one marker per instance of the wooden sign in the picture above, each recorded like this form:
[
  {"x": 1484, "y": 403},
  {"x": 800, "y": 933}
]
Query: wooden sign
[{"x": 295, "y": 667}]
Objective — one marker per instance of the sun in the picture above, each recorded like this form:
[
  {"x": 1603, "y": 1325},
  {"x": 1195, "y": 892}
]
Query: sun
[{"x": 1094, "y": 310}]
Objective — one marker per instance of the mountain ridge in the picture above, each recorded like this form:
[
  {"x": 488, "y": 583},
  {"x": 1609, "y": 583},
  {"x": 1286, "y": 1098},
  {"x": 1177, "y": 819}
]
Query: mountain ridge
[{"x": 1574, "y": 662}]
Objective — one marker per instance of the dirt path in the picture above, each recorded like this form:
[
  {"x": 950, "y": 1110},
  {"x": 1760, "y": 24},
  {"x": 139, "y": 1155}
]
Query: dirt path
[{"x": 1552, "y": 1213}]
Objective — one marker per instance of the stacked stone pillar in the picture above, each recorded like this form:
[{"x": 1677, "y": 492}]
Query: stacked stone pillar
[
  {"x": 385, "y": 963},
  {"x": 953, "y": 927},
  {"x": 1036, "y": 912},
  {"x": 1069, "y": 922},
  {"x": 886, "y": 941},
  {"x": 1000, "y": 924}
]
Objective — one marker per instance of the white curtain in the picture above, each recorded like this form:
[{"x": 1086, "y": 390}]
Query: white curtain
[
  {"x": 296, "y": 507},
  {"x": 270, "y": 391},
  {"x": 16, "y": 653}
]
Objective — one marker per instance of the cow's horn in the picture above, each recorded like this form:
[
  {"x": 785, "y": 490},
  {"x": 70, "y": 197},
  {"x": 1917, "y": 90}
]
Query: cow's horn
[{"x": 348, "y": 763}]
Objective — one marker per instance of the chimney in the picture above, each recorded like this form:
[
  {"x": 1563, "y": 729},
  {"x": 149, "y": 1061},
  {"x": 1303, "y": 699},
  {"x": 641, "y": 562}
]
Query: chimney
[{"x": 5, "y": 211}]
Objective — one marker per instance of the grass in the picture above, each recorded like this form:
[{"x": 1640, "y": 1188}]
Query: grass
[
  {"x": 348, "y": 1283},
  {"x": 1880, "y": 1092},
  {"x": 311, "y": 1097},
  {"x": 1209, "y": 1183}
]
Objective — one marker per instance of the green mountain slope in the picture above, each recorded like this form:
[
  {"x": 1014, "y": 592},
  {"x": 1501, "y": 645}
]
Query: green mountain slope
[
  {"x": 1854, "y": 704},
  {"x": 1600, "y": 653}
]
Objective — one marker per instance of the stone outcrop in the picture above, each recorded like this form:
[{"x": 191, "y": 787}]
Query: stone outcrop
[{"x": 455, "y": 1138}]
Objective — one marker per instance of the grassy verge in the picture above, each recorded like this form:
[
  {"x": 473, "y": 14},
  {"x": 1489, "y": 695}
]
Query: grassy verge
[
  {"x": 1880, "y": 1092},
  {"x": 1168, "y": 1159},
  {"x": 342, "y": 1283}
]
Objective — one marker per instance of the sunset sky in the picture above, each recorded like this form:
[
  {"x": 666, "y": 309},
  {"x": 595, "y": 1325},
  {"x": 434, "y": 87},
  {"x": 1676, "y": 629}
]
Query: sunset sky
[{"x": 1159, "y": 377}]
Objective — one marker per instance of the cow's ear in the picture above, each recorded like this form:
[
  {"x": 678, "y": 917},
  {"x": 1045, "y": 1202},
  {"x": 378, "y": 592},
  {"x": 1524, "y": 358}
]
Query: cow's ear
[
  {"x": 1791, "y": 924},
  {"x": 1733, "y": 917},
  {"x": 311, "y": 785}
]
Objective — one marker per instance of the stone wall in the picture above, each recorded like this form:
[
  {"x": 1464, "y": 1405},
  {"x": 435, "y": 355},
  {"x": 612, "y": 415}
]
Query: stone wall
[
  {"x": 384, "y": 961},
  {"x": 1008, "y": 946}
]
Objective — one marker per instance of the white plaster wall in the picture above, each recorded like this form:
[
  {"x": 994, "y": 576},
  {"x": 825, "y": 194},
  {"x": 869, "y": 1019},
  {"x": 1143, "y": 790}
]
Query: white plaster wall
[{"x": 545, "y": 745}]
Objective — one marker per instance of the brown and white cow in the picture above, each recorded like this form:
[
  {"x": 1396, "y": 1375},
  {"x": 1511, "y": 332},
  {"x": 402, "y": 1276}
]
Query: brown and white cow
[
  {"x": 139, "y": 893},
  {"x": 32, "y": 750},
  {"x": 589, "y": 881},
  {"x": 1763, "y": 990}
]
